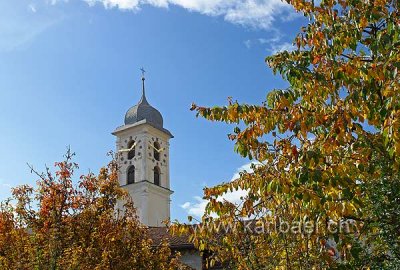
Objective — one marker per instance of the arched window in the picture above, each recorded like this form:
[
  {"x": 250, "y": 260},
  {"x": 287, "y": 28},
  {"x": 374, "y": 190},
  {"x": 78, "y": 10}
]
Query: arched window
[
  {"x": 157, "y": 177},
  {"x": 131, "y": 153},
  {"x": 156, "y": 151},
  {"x": 131, "y": 175}
]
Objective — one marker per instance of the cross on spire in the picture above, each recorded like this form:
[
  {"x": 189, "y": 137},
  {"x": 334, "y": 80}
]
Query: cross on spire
[
  {"x": 143, "y": 100},
  {"x": 143, "y": 72}
]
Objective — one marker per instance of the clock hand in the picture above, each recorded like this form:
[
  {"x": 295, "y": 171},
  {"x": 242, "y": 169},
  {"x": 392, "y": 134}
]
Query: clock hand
[
  {"x": 158, "y": 150},
  {"x": 130, "y": 149}
]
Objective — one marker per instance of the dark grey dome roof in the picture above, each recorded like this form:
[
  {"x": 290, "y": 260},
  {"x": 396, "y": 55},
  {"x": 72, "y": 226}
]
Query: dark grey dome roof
[{"x": 144, "y": 111}]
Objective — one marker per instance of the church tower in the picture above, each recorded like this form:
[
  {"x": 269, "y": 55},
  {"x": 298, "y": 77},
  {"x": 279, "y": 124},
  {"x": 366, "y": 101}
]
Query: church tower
[{"x": 143, "y": 147}]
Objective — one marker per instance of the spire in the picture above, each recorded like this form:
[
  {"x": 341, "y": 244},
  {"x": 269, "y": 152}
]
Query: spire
[
  {"x": 144, "y": 111},
  {"x": 143, "y": 100}
]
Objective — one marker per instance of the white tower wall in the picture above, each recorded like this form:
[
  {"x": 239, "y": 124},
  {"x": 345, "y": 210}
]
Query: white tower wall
[{"x": 144, "y": 126}]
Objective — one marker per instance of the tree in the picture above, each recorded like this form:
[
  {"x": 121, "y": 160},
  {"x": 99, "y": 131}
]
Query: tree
[
  {"x": 62, "y": 226},
  {"x": 328, "y": 148}
]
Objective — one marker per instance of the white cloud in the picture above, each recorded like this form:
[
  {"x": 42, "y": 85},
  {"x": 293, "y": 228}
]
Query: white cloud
[
  {"x": 276, "y": 43},
  {"x": 5, "y": 185},
  {"x": 186, "y": 205},
  {"x": 280, "y": 47},
  {"x": 32, "y": 8},
  {"x": 53, "y": 2},
  {"x": 244, "y": 168},
  {"x": 22, "y": 21},
  {"x": 198, "y": 207},
  {"x": 247, "y": 43},
  {"x": 254, "y": 13},
  {"x": 121, "y": 4}
]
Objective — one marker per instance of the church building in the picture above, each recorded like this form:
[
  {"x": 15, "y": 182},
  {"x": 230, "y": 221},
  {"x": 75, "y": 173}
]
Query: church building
[{"x": 143, "y": 147}]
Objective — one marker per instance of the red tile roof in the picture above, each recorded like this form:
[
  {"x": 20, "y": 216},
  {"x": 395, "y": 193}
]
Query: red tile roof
[{"x": 157, "y": 234}]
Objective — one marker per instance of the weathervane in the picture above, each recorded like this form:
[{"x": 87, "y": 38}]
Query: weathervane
[
  {"x": 143, "y": 91},
  {"x": 143, "y": 72}
]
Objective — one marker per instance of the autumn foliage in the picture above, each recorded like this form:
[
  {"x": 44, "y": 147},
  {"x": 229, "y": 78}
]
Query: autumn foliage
[
  {"x": 327, "y": 148},
  {"x": 59, "y": 225}
]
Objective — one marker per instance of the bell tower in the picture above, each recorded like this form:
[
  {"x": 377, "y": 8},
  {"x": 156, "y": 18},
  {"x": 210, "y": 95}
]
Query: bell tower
[{"x": 143, "y": 147}]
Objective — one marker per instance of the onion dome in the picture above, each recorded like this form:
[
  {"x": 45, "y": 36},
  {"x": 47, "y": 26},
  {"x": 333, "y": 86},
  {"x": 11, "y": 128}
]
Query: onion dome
[{"x": 144, "y": 111}]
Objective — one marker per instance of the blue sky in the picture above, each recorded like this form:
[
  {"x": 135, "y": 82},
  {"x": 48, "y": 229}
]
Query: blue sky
[{"x": 69, "y": 70}]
